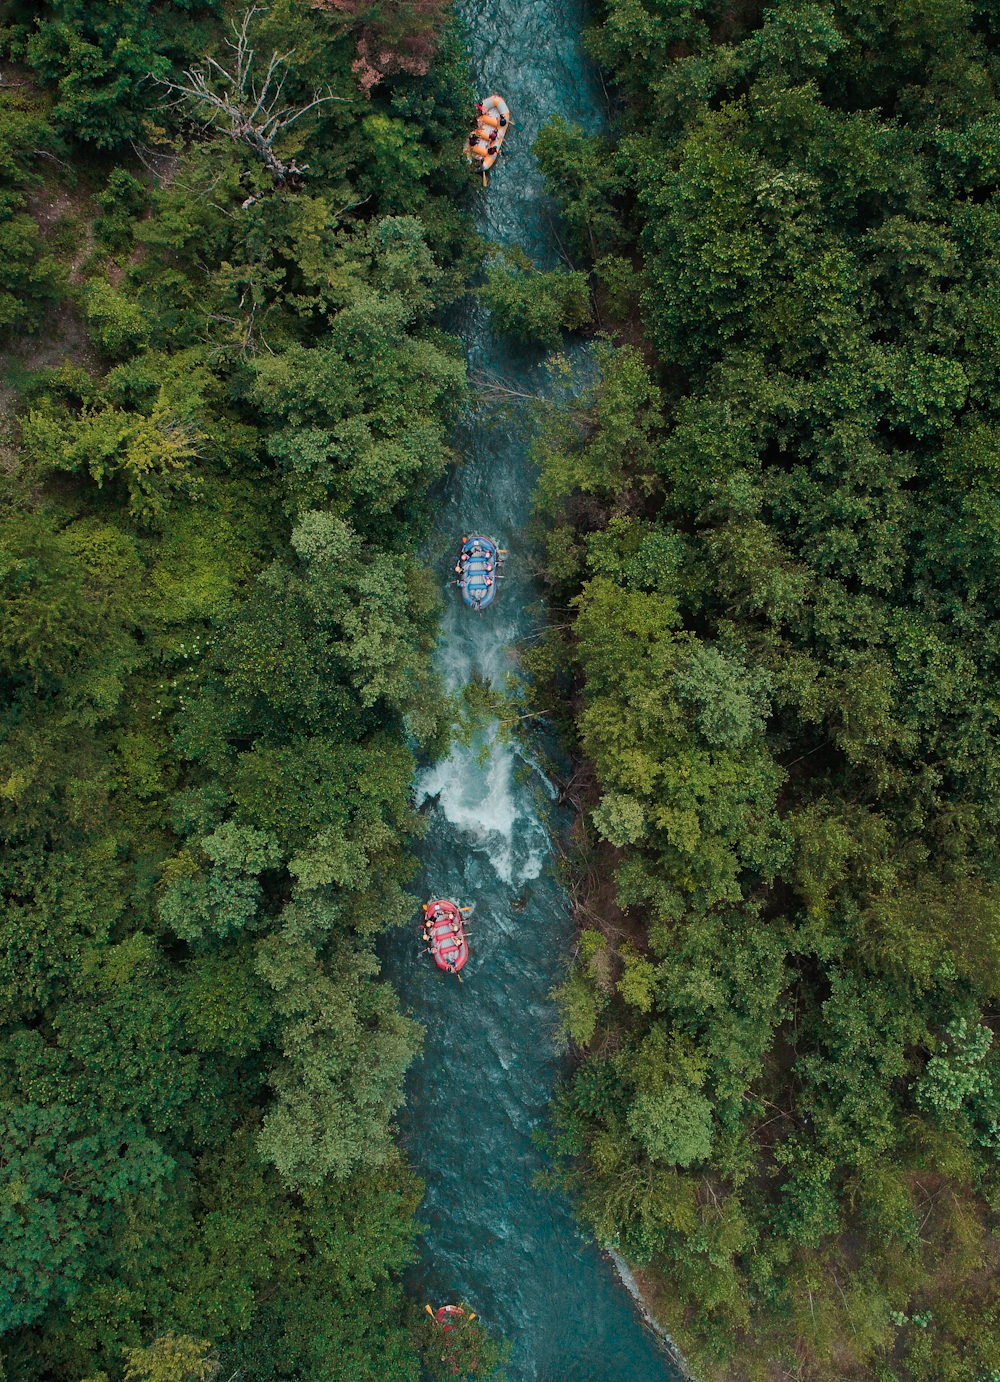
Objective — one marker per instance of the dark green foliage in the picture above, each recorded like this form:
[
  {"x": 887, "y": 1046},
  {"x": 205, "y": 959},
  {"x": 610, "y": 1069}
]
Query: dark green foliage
[
  {"x": 31, "y": 277},
  {"x": 61, "y": 1181},
  {"x": 581, "y": 179},
  {"x": 530, "y": 304},
  {"x": 778, "y": 556},
  {"x": 102, "y": 59},
  {"x": 122, "y": 201},
  {"x": 215, "y": 659}
]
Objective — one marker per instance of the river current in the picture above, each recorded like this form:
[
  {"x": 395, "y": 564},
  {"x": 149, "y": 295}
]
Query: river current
[{"x": 491, "y": 1063}]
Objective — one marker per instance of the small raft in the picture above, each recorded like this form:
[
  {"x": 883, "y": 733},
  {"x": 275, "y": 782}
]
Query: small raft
[
  {"x": 442, "y": 923},
  {"x": 479, "y": 567},
  {"x": 449, "y": 1315},
  {"x": 483, "y": 148}
]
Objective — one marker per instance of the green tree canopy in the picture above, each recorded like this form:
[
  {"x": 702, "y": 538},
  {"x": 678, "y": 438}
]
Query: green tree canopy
[
  {"x": 215, "y": 664},
  {"x": 774, "y": 542}
]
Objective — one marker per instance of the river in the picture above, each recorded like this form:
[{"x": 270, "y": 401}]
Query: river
[{"x": 490, "y": 1066}]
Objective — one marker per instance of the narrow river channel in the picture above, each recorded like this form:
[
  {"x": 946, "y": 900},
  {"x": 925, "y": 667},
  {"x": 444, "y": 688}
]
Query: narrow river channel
[{"x": 490, "y": 1065}]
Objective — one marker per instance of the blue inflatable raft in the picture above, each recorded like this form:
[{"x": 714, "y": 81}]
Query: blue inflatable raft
[{"x": 479, "y": 568}]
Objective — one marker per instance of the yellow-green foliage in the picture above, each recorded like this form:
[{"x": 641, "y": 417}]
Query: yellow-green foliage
[{"x": 171, "y": 1358}]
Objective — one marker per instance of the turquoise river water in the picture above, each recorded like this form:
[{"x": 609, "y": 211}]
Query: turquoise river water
[{"x": 490, "y": 1065}]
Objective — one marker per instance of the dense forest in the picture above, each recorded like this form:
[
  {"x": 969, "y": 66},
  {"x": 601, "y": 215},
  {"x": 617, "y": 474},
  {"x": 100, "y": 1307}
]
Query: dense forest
[
  {"x": 769, "y": 502},
  {"x": 224, "y": 400},
  {"x": 772, "y": 518}
]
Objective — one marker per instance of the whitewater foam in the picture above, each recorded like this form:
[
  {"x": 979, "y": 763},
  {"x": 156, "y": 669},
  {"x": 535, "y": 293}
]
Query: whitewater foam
[{"x": 482, "y": 803}]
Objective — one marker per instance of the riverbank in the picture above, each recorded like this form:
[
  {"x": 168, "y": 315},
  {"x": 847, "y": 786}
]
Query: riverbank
[{"x": 638, "y": 1288}]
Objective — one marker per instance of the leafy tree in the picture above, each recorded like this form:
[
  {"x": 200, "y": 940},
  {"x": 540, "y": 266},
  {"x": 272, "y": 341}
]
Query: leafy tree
[
  {"x": 122, "y": 202},
  {"x": 171, "y": 1358},
  {"x": 531, "y": 304},
  {"x": 345, "y": 1047},
  {"x": 61, "y": 1181},
  {"x": 100, "y": 56},
  {"x": 582, "y": 180},
  {"x": 32, "y": 276}
]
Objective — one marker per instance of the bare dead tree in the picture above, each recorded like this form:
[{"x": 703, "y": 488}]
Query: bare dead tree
[
  {"x": 255, "y": 112},
  {"x": 493, "y": 388}
]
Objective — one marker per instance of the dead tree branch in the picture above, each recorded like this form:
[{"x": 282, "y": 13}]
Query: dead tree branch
[
  {"x": 492, "y": 388},
  {"x": 255, "y": 111}
]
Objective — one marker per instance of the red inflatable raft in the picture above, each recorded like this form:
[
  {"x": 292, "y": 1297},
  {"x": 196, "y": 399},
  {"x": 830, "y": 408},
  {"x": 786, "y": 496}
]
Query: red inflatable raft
[
  {"x": 449, "y": 1315},
  {"x": 443, "y": 928}
]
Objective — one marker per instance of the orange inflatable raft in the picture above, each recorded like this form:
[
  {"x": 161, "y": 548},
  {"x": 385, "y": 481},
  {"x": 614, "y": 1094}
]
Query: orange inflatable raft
[{"x": 483, "y": 148}]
